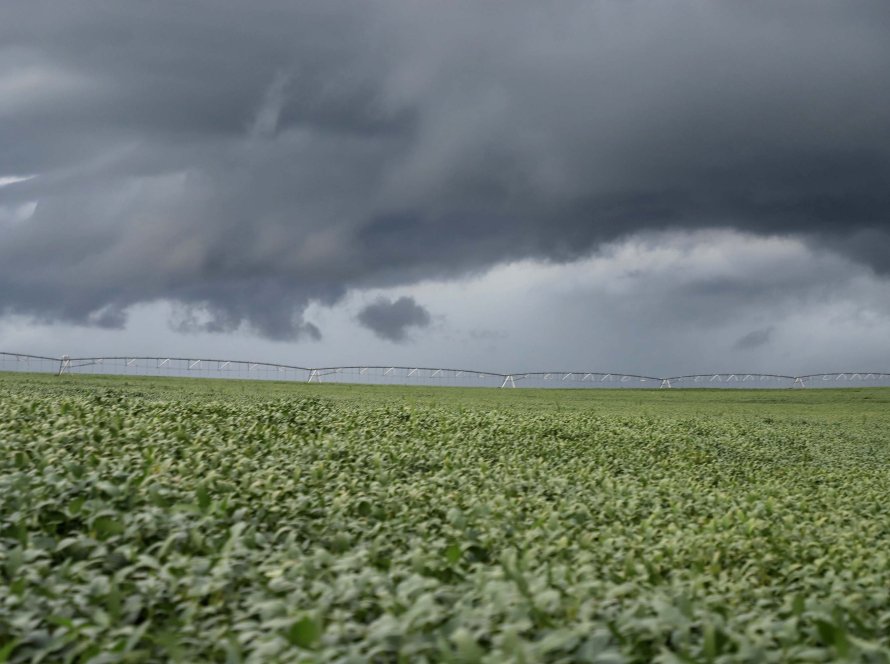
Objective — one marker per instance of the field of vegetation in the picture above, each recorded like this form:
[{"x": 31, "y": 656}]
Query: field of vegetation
[{"x": 165, "y": 519}]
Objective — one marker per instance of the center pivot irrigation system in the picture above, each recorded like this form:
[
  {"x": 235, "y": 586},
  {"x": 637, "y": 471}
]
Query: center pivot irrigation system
[{"x": 406, "y": 375}]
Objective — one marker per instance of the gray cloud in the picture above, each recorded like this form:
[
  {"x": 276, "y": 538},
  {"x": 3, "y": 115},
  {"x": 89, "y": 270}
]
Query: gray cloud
[
  {"x": 754, "y": 339},
  {"x": 391, "y": 319},
  {"x": 488, "y": 335},
  {"x": 245, "y": 159}
]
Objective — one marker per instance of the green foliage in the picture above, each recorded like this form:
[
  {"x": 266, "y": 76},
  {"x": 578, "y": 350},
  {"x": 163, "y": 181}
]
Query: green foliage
[{"x": 253, "y": 527}]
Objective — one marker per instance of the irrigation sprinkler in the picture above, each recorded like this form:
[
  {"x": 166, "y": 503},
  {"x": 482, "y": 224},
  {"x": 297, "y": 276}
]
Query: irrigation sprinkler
[{"x": 412, "y": 374}]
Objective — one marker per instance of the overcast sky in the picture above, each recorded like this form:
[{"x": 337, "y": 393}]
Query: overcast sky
[{"x": 626, "y": 186}]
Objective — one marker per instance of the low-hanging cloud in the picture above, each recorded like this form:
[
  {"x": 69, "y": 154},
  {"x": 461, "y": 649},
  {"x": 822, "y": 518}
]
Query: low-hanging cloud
[
  {"x": 282, "y": 154},
  {"x": 754, "y": 339},
  {"x": 392, "y": 319}
]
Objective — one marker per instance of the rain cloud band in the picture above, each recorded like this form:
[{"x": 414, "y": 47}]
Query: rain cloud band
[{"x": 244, "y": 160}]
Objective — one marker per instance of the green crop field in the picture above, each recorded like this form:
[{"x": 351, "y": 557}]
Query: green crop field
[{"x": 174, "y": 520}]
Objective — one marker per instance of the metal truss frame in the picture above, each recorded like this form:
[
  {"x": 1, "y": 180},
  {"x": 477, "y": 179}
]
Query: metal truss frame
[{"x": 210, "y": 367}]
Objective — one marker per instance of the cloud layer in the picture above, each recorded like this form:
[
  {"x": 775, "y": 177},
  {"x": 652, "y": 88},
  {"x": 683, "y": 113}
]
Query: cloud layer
[
  {"x": 663, "y": 304},
  {"x": 246, "y": 159}
]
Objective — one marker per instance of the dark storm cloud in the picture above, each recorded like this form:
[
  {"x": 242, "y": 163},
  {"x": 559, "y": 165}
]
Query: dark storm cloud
[
  {"x": 243, "y": 159},
  {"x": 754, "y": 339},
  {"x": 391, "y": 319}
]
